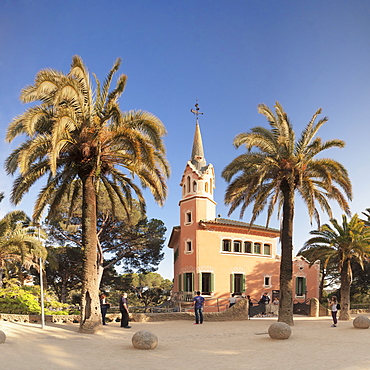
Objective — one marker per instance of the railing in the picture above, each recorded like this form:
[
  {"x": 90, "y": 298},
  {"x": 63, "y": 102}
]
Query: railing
[
  {"x": 360, "y": 306},
  {"x": 185, "y": 300}
]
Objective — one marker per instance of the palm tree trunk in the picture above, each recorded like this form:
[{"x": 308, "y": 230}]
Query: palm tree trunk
[
  {"x": 90, "y": 305},
  {"x": 1, "y": 277},
  {"x": 286, "y": 264},
  {"x": 345, "y": 288},
  {"x": 321, "y": 286}
]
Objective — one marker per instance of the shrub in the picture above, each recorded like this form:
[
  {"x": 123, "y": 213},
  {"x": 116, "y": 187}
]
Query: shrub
[{"x": 16, "y": 300}]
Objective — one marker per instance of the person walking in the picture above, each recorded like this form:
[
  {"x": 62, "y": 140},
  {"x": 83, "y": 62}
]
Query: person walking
[
  {"x": 232, "y": 300},
  {"x": 198, "y": 303},
  {"x": 265, "y": 300},
  {"x": 104, "y": 305},
  {"x": 123, "y": 307},
  {"x": 333, "y": 305}
]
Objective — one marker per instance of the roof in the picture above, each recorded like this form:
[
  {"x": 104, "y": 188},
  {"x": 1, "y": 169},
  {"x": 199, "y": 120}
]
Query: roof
[
  {"x": 234, "y": 225},
  {"x": 226, "y": 221},
  {"x": 197, "y": 153}
]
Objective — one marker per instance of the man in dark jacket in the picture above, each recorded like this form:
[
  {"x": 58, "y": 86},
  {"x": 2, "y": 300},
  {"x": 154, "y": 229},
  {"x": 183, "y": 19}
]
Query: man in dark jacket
[{"x": 123, "y": 307}]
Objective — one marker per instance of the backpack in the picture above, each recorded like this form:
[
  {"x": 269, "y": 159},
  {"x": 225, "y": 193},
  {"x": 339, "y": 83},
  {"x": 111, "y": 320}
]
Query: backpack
[{"x": 338, "y": 306}]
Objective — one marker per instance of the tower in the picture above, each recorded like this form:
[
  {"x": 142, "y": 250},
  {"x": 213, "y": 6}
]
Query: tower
[{"x": 198, "y": 183}]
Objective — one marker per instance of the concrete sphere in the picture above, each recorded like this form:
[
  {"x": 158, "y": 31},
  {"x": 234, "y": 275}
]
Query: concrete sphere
[
  {"x": 361, "y": 322},
  {"x": 279, "y": 330},
  {"x": 2, "y": 337},
  {"x": 144, "y": 339}
]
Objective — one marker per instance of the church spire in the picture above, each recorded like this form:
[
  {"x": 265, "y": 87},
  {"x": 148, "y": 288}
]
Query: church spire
[{"x": 197, "y": 154}]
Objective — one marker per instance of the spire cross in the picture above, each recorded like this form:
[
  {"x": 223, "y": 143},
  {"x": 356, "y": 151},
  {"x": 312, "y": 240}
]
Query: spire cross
[{"x": 196, "y": 111}]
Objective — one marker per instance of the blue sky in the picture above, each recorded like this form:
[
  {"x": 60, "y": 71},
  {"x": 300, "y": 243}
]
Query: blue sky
[{"x": 231, "y": 55}]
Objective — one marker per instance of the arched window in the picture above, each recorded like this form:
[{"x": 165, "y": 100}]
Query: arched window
[
  {"x": 188, "y": 184},
  {"x": 206, "y": 187},
  {"x": 226, "y": 245},
  {"x": 257, "y": 248},
  {"x": 194, "y": 186},
  {"x": 267, "y": 249},
  {"x": 247, "y": 247}
]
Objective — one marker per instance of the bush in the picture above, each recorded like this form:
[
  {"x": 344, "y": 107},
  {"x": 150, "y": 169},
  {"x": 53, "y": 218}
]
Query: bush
[{"x": 16, "y": 300}]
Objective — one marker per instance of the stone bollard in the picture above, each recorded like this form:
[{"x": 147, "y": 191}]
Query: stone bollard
[
  {"x": 280, "y": 330},
  {"x": 361, "y": 322},
  {"x": 2, "y": 337},
  {"x": 144, "y": 339},
  {"x": 314, "y": 307}
]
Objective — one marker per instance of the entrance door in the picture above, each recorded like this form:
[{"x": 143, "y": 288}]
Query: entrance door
[
  {"x": 206, "y": 283},
  {"x": 238, "y": 284},
  {"x": 188, "y": 282}
]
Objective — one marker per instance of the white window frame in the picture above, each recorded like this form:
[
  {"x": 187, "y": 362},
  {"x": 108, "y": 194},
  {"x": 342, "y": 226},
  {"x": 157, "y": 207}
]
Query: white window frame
[
  {"x": 270, "y": 281},
  {"x": 186, "y": 249}
]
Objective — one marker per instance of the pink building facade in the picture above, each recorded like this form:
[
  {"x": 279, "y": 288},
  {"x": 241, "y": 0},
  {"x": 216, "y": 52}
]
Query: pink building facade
[{"x": 219, "y": 256}]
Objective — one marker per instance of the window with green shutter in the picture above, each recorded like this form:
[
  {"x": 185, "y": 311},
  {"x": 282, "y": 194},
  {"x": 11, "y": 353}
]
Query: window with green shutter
[
  {"x": 247, "y": 247},
  {"x": 243, "y": 283},
  {"x": 188, "y": 282},
  {"x": 300, "y": 286},
  {"x": 207, "y": 283},
  {"x": 179, "y": 280}
]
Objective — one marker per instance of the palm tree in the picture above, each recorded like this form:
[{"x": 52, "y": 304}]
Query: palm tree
[
  {"x": 367, "y": 214},
  {"x": 271, "y": 174},
  {"x": 79, "y": 132},
  {"x": 19, "y": 243},
  {"x": 342, "y": 243},
  {"x": 328, "y": 268}
]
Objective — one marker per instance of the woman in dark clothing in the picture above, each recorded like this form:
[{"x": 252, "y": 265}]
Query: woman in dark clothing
[{"x": 104, "y": 305}]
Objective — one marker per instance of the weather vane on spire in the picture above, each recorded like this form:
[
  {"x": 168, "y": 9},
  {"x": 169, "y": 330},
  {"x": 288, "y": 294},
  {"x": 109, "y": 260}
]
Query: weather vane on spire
[{"x": 196, "y": 111}]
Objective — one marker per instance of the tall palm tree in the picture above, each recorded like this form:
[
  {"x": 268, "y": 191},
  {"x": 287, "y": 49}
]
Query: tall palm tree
[
  {"x": 79, "y": 132},
  {"x": 19, "y": 242},
  {"x": 328, "y": 268},
  {"x": 279, "y": 167},
  {"x": 342, "y": 243}
]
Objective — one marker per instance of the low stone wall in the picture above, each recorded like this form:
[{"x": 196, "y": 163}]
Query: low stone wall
[
  {"x": 37, "y": 318},
  {"x": 238, "y": 312}
]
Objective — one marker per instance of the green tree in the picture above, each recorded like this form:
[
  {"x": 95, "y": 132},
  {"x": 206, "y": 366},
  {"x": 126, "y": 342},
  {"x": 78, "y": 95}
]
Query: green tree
[
  {"x": 151, "y": 289},
  {"x": 64, "y": 270},
  {"x": 347, "y": 242},
  {"x": 360, "y": 287},
  {"x": 134, "y": 243},
  {"x": 19, "y": 244},
  {"x": 279, "y": 167},
  {"x": 79, "y": 132}
]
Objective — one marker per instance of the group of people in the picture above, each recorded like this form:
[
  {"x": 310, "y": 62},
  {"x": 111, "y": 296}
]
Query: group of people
[
  {"x": 123, "y": 307},
  {"x": 198, "y": 304}
]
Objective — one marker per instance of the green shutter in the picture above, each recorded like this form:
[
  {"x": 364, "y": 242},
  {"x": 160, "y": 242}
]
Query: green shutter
[
  {"x": 184, "y": 285},
  {"x": 231, "y": 283},
  {"x": 212, "y": 282},
  {"x": 192, "y": 282},
  {"x": 243, "y": 283},
  {"x": 300, "y": 290}
]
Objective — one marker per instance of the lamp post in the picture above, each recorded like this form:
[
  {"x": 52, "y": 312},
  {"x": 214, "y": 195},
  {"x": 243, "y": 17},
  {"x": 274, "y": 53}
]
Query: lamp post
[{"x": 41, "y": 288}]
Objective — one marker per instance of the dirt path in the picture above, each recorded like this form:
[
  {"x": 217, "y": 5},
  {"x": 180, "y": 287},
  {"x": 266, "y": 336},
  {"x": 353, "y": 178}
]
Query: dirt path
[{"x": 314, "y": 344}]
